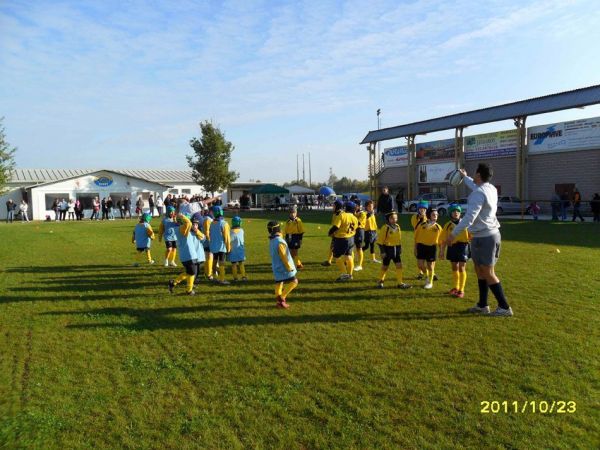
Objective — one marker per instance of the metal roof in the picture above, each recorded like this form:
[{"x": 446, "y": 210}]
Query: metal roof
[
  {"x": 539, "y": 105},
  {"x": 35, "y": 176}
]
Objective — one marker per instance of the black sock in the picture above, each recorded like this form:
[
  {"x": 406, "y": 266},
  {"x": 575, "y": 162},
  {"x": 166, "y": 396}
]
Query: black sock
[
  {"x": 499, "y": 294},
  {"x": 483, "y": 293}
]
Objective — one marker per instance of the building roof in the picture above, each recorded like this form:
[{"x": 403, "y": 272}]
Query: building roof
[
  {"x": 539, "y": 105},
  {"x": 35, "y": 176},
  {"x": 35, "y": 185}
]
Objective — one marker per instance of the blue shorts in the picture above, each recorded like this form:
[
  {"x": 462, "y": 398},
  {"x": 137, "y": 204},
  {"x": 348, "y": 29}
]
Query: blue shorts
[
  {"x": 359, "y": 237},
  {"x": 391, "y": 253},
  {"x": 294, "y": 241},
  {"x": 171, "y": 244},
  {"x": 458, "y": 252},
  {"x": 342, "y": 246}
]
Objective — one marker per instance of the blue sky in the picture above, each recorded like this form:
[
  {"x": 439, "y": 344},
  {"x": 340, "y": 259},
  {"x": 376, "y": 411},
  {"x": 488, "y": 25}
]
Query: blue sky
[{"x": 124, "y": 84}]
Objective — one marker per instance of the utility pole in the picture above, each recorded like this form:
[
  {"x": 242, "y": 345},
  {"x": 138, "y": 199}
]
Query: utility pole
[
  {"x": 309, "y": 172},
  {"x": 297, "y": 168},
  {"x": 303, "y": 177}
]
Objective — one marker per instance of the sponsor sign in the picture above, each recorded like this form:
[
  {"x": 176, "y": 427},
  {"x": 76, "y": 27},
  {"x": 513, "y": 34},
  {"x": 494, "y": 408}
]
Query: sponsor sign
[
  {"x": 442, "y": 150},
  {"x": 103, "y": 181},
  {"x": 565, "y": 136},
  {"x": 501, "y": 144},
  {"x": 434, "y": 173},
  {"x": 395, "y": 156}
]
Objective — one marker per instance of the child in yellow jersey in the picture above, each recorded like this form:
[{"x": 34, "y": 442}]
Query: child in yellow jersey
[
  {"x": 417, "y": 219},
  {"x": 370, "y": 231},
  {"x": 458, "y": 252},
  {"x": 359, "y": 237},
  {"x": 294, "y": 230},
  {"x": 337, "y": 210},
  {"x": 342, "y": 231},
  {"x": 427, "y": 236},
  {"x": 390, "y": 245}
]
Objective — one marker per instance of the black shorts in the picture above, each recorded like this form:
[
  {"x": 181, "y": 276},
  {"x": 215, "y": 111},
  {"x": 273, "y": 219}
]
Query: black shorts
[
  {"x": 171, "y": 244},
  {"x": 294, "y": 241},
  {"x": 219, "y": 257},
  {"x": 359, "y": 237},
  {"x": 458, "y": 252},
  {"x": 370, "y": 238},
  {"x": 427, "y": 252},
  {"x": 190, "y": 266},
  {"x": 342, "y": 246},
  {"x": 391, "y": 253},
  {"x": 142, "y": 249},
  {"x": 206, "y": 246}
]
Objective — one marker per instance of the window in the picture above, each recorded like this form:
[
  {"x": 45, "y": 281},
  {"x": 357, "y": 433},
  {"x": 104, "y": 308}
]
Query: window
[
  {"x": 186, "y": 191},
  {"x": 174, "y": 191},
  {"x": 86, "y": 199},
  {"x": 51, "y": 197}
]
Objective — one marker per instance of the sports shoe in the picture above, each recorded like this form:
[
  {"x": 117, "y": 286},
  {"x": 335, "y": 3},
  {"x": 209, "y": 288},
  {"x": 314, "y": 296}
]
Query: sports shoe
[
  {"x": 192, "y": 292},
  {"x": 452, "y": 291},
  {"x": 358, "y": 268},
  {"x": 435, "y": 277},
  {"x": 501, "y": 312},
  {"x": 151, "y": 261},
  {"x": 375, "y": 260},
  {"x": 420, "y": 276},
  {"x": 210, "y": 278},
  {"x": 244, "y": 279},
  {"x": 343, "y": 277},
  {"x": 173, "y": 264},
  {"x": 326, "y": 263},
  {"x": 428, "y": 285},
  {"x": 404, "y": 286},
  {"x": 380, "y": 284},
  {"x": 171, "y": 285},
  {"x": 479, "y": 310},
  {"x": 166, "y": 263},
  {"x": 458, "y": 294},
  {"x": 281, "y": 303}
]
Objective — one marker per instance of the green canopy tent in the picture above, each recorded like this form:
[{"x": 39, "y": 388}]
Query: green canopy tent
[{"x": 269, "y": 190}]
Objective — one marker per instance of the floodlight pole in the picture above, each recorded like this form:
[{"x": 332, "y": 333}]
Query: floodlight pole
[
  {"x": 459, "y": 154},
  {"x": 412, "y": 167},
  {"x": 521, "y": 160}
]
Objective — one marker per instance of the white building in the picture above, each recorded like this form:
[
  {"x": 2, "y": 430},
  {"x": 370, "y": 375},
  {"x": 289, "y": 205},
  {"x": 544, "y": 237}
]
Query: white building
[{"x": 40, "y": 187}]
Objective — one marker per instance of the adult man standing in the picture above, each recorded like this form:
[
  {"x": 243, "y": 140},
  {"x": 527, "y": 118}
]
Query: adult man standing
[
  {"x": 577, "y": 205},
  {"x": 385, "y": 204},
  {"x": 482, "y": 223},
  {"x": 10, "y": 210}
]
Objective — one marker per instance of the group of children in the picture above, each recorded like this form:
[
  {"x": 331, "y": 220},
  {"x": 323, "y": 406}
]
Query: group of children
[{"x": 206, "y": 238}]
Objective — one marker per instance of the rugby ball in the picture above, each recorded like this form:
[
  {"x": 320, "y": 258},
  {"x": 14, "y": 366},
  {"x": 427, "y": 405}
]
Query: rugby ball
[{"x": 454, "y": 178}]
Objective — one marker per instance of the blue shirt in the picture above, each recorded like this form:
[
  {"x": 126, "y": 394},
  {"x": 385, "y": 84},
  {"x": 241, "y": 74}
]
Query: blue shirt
[
  {"x": 169, "y": 227},
  {"x": 280, "y": 272},
  {"x": 185, "y": 246},
  {"x": 217, "y": 243},
  {"x": 198, "y": 247},
  {"x": 238, "y": 250},
  {"x": 142, "y": 240}
]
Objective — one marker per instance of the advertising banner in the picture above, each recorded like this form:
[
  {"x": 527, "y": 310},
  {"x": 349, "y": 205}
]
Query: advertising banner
[
  {"x": 565, "y": 136},
  {"x": 501, "y": 144},
  {"x": 395, "y": 156},
  {"x": 442, "y": 150},
  {"x": 434, "y": 173}
]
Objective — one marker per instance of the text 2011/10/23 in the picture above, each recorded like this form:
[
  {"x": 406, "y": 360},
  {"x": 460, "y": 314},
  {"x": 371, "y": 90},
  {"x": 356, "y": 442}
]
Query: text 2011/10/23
[{"x": 528, "y": 406}]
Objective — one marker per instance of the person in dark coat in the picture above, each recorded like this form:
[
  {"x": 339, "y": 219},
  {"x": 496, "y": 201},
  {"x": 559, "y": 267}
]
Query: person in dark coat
[
  {"x": 385, "y": 204},
  {"x": 595, "y": 204}
]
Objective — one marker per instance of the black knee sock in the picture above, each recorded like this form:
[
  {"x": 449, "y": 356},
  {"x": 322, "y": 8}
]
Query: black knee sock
[
  {"x": 483, "y": 293},
  {"x": 499, "y": 294}
]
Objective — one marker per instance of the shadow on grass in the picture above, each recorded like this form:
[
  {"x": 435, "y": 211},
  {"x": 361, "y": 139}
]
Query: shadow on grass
[{"x": 151, "y": 319}]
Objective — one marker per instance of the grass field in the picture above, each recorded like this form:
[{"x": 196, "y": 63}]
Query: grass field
[{"x": 96, "y": 354}]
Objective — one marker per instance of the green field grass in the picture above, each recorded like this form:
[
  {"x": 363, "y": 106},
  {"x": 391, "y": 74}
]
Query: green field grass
[{"x": 96, "y": 354}]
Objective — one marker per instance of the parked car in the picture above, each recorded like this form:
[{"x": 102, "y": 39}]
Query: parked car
[
  {"x": 443, "y": 207},
  {"x": 434, "y": 199},
  {"x": 510, "y": 205},
  {"x": 233, "y": 204}
]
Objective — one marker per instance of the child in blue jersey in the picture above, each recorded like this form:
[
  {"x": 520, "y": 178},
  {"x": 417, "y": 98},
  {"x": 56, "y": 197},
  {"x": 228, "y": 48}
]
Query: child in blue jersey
[
  {"x": 237, "y": 256},
  {"x": 220, "y": 242},
  {"x": 187, "y": 254},
  {"x": 198, "y": 242},
  {"x": 142, "y": 238},
  {"x": 168, "y": 226},
  {"x": 282, "y": 264}
]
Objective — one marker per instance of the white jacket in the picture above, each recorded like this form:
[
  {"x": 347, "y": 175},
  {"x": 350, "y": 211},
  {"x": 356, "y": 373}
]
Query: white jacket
[{"x": 480, "y": 217}]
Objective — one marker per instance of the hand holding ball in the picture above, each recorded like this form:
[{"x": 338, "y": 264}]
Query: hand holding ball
[{"x": 455, "y": 177}]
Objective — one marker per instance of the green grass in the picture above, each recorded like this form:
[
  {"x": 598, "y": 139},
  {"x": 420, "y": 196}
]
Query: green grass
[{"x": 96, "y": 354}]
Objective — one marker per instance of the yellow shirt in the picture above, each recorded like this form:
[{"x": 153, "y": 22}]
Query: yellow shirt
[
  {"x": 335, "y": 216},
  {"x": 346, "y": 224},
  {"x": 390, "y": 236},
  {"x": 361, "y": 216},
  {"x": 371, "y": 224},
  {"x": 206, "y": 227},
  {"x": 464, "y": 236},
  {"x": 415, "y": 220},
  {"x": 294, "y": 226},
  {"x": 428, "y": 233}
]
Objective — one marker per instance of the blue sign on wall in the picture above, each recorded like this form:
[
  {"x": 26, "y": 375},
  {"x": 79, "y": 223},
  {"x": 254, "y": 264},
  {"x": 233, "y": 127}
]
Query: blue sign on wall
[{"x": 103, "y": 181}]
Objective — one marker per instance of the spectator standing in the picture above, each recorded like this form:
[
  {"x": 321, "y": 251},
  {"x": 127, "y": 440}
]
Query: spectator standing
[
  {"x": 63, "y": 208},
  {"x": 151, "y": 204},
  {"x": 71, "y": 209},
  {"x": 595, "y": 205},
  {"x": 127, "y": 207},
  {"x": 10, "y": 210},
  {"x": 95, "y": 209},
  {"x": 385, "y": 203},
  {"x": 121, "y": 206},
  {"x": 139, "y": 206},
  {"x": 23, "y": 210},
  {"x": 535, "y": 209},
  {"x": 109, "y": 208},
  {"x": 555, "y": 204},
  {"x": 104, "y": 210},
  {"x": 159, "y": 205},
  {"x": 78, "y": 209},
  {"x": 577, "y": 205},
  {"x": 400, "y": 200},
  {"x": 55, "y": 209},
  {"x": 564, "y": 204}
]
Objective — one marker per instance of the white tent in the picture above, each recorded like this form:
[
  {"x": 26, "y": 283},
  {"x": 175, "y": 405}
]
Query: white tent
[{"x": 299, "y": 190}]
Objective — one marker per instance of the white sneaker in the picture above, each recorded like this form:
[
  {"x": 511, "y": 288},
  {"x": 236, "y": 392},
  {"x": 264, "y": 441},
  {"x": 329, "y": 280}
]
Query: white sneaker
[
  {"x": 151, "y": 261},
  {"x": 501, "y": 312},
  {"x": 479, "y": 310},
  {"x": 166, "y": 263},
  {"x": 172, "y": 264},
  {"x": 358, "y": 268},
  {"x": 376, "y": 261},
  {"x": 428, "y": 285}
]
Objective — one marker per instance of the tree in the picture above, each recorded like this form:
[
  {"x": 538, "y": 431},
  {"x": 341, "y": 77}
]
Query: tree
[
  {"x": 210, "y": 162},
  {"x": 7, "y": 159}
]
